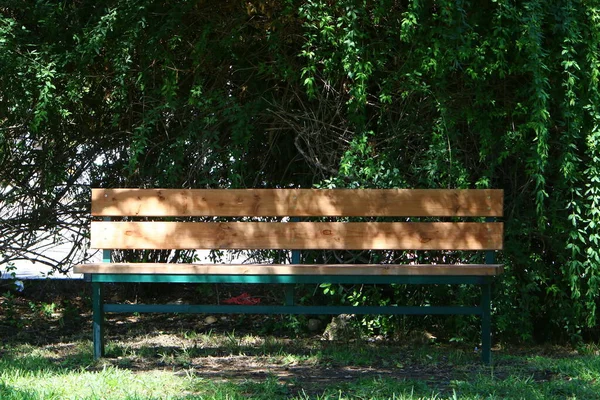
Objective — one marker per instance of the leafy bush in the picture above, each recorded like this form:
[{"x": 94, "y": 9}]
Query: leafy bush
[{"x": 348, "y": 93}]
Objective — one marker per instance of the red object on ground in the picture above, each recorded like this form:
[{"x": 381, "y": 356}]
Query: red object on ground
[{"x": 243, "y": 299}]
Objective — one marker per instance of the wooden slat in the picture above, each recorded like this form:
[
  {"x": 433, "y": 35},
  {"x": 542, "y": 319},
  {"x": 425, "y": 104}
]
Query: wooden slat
[
  {"x": 291, "y": 269},
  {"x": 297, "y": 202},
  {"x": 298, "y": 235}
]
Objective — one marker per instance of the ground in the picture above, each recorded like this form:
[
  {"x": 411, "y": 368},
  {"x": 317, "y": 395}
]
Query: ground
[{"x": 56, "y": 315}]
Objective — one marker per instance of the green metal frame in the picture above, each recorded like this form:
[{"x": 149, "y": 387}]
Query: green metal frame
[
  {"x": 99, "y": 308},
  {"x": 291, "y": 279},
  {"x": 294, "y": 309}
]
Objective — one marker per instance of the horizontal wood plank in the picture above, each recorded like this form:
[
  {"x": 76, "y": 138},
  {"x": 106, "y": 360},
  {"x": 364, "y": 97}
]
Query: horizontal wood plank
[
  {"x": 292, "y": 269},
  {"x": 298, "y": 202},
  {"x": 298, "y": 235}
]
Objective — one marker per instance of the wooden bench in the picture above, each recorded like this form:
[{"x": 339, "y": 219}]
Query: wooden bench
[{"x": 394, "y": 219}]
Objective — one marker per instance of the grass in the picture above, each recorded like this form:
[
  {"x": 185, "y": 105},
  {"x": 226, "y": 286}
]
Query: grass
[
  {"x": 45, "y": 353},
  {"x": 225, "y": 366}
]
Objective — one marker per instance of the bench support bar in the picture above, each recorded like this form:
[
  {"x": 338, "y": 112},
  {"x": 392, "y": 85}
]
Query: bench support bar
[
  {"x": 294, "y": 279},
  {"x": 272, "y": 309},
  {"x": 98, "y": 309},
  {"x": 486, "y": 323}
]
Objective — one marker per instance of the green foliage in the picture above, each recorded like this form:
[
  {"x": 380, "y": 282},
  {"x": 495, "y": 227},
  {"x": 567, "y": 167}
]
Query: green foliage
[
  {"x": 500, "y": 95},
  {"x": 11, "y": 316},
  {"x": 350, "y": 93}
]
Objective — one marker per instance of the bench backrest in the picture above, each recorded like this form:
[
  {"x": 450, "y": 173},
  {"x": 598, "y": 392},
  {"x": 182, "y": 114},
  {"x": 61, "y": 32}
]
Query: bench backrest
[{"x": 149, "y": 224}]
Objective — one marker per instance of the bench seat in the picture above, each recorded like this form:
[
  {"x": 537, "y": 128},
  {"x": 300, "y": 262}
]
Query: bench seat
[{"x": 294, "y": 269}]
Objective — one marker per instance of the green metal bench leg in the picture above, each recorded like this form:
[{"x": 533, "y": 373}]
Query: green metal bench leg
[
  {"x": 290, "y": 289},
  {"x": 97, "y": 320},
  {"x": 289, "y": 295},
  {"x": 486, "y": 323}
]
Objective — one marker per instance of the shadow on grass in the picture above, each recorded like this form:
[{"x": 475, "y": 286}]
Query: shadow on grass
[
  {"x": 40, "y": 359},
  {"x": 242, "y": 364},
  {"x": 305, "y": 368}
]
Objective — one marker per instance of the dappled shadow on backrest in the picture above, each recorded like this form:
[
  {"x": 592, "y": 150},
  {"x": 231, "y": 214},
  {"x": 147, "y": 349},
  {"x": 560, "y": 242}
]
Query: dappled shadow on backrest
[{"x": 403, "y": 203}]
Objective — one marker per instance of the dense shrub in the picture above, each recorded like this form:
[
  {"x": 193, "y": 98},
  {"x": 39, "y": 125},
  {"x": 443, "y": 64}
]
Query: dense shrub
[{"x": 349, "y": 93}]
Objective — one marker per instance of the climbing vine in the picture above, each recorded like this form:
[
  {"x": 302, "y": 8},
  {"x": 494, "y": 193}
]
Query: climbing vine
[{"x": 351, "y": 93}]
